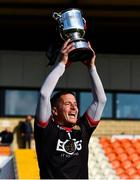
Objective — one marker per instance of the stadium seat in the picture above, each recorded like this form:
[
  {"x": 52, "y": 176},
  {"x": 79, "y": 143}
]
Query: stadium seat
[
  {"x": 135, "y": 157},
  {"x": 5, "y": 150},
  {"x": 124, "y": 156},
  {"x": 119, "y": 150},
  {"x": 119, "y": 170},
  {"x": 99, "y": 166},
  {"x": 116, "y": 164}
]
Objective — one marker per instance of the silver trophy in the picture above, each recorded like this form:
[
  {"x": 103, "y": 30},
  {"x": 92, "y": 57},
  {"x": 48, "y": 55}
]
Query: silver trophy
[{"x": 72, "y": 25}]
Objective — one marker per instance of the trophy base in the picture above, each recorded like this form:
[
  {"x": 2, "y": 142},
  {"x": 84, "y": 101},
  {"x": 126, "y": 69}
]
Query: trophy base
[{"x": 81, "y": 52}]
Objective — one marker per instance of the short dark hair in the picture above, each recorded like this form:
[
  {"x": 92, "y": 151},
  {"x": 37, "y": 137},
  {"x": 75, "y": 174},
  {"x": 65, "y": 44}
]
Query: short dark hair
[{"x": 57, "y": 96}]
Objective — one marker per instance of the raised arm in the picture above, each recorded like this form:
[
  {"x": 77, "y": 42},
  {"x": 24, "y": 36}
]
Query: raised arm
[
  {"x": 43, "y": 111},
  {"x": 99, "y": 98},
  {"x": 95, "y": 110}
]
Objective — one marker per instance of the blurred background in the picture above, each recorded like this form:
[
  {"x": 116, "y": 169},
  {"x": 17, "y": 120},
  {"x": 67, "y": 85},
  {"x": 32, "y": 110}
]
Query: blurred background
[{"x": 27, "y": 30}]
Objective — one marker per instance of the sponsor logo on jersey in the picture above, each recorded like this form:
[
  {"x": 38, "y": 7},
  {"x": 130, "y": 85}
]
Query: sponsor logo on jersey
[{"x": 69, "y": 146}]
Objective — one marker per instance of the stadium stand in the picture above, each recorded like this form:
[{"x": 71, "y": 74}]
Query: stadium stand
[
  {"x": 124, "y": 156},
  {"x": 99, "y": 166},
  {"x": 110, "y": 158}
]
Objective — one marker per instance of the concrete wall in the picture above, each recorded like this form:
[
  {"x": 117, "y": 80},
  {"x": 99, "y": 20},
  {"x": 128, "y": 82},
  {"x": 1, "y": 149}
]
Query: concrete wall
[
  {"x": 28, "y": 69},
  {"x": 117, "y": 127}
]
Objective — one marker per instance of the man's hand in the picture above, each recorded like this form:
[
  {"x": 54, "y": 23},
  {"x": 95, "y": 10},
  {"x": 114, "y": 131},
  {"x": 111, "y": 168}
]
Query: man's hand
[
  {"x": 90, "y": 62},
  {"x": 65, "y": 50}
]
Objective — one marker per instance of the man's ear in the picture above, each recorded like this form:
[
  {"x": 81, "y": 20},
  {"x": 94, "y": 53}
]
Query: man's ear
[{"x": 54, "y": 111}]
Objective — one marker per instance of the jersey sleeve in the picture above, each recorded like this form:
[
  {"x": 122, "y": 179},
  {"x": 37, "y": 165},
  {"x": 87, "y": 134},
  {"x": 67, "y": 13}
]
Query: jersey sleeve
[
  {"x": 94, "y": 111},
  {"x": 43, "y": 112}
]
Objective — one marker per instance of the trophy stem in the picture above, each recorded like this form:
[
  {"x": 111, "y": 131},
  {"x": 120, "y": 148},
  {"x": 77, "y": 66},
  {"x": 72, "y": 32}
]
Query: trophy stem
[
  {"x": 81, "y": 52},
  {"x": 74, "y": 36}
]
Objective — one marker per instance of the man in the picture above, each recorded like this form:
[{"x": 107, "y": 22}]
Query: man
[
  {"x": 6, "y": 137},
  {"x": 26, "y": 132},
  {"x": 62, "y": 139}
]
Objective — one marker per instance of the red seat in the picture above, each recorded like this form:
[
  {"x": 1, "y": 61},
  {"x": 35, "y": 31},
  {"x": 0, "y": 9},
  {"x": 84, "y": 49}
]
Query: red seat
[
  {"x": 126, "y": 143},
  {"x": 138, "y": 171},
  {"x": 130, "y": 150},
  {"x": 112, "y": 156},
  {"x": 5, "y": 150},
  {"x": 116, "y": 143},
  {"x": 137, "y": 164},
  {"x": 134, "y": 157},
  {"x": 131, "y": 171},
  {"x": 116, "y": 164},
  {"x": 108, "y": 150},
  {"x": 124, "y": 176},
  {"x": 119, "y": 150},
  {"x": 104, "y": 139},
  {"x": 105, "y": 143},
  {"x": 127, "y": 164},
  {"x": 119, "y": 171},
  {"x": 123, "y": 156},
  {"x": 136, "y": 145},
  {"x": 135, "y": 176}
]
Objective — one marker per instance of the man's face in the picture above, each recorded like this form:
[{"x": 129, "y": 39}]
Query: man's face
[{"x": 66, "y": 111}]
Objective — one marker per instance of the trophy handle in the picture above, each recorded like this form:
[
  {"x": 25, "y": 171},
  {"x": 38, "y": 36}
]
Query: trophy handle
[
  {"x": 61, "y": 35},
  {"x": 56, "y": 16},
  {"x": 84, "y": 21}
]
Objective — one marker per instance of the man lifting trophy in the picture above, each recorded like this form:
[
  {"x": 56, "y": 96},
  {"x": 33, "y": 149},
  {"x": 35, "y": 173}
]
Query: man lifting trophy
[
  {"x": 62, "y": 136},
  {"x": 72, "y": 25}
]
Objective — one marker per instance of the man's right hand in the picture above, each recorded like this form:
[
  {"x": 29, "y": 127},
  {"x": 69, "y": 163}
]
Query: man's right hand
[{"x": 65, "y": 50}]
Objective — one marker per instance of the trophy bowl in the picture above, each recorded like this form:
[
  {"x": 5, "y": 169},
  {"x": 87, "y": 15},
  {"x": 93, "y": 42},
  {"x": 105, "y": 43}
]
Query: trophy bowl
[{"x": 72, "y": 25}]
